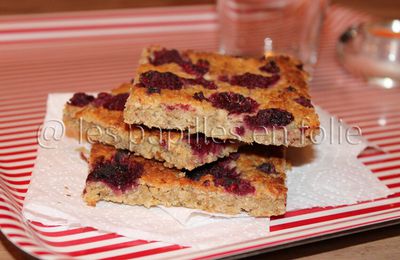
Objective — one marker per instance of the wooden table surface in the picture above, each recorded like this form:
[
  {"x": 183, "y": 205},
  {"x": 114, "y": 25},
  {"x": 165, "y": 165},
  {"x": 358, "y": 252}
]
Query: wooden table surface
[{"x": 383, "y": 243}]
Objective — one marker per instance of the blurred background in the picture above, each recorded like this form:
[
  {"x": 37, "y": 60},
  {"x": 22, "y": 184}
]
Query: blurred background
[{"x": 383, "y": 8}]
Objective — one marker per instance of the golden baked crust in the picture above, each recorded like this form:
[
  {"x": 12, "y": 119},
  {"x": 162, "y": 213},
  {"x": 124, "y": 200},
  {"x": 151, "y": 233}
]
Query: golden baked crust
[
  {"x": 245, "y": 182},
  {"x": 179, "y": 109},
  {"x": 91, "y": 123}
]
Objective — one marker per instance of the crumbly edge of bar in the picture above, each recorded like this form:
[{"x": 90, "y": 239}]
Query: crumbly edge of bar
[
  {"x": 278, "y": 96},
  {"x": 179, "y": 154},
  {"x": 154, "y": 115},
  {"x": 187, "y": 196}
]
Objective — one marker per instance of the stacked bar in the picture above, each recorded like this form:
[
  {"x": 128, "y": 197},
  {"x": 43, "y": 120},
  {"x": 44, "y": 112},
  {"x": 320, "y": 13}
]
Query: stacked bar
[
  {"x": 192, "y": 130},
  {"x": 99, "y": 119}
]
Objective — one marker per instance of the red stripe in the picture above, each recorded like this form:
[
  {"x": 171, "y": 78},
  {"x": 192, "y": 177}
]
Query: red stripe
[
  {"x": 8, "y": 209},
  {"x": 332, "y": 217},
  {"x": 12, "y": 189},
  {"x": 3, "y": 216},
  {"x": 108, "y": 248},
  {"x": 75, "y": 38},
  {"x": 388, "y": 168},
  {"x": 22, "y": 244},
  {"x": 82, "y": 240},
  {"x": 383, "y": 138},
  {"x": 112, "y": 14},
  {"x": 18, "y": 235},
  {"x": 19, "y": 132},
  {"x": 22, "y": 125},
  {"x": 17, "y": 145},
  {"x": 42, "y": 253},
  {"x": 383, "y": 160},
  {"x": 65, "y": 232},
  {"x": 292, "y": 239},
  {"x": 389, "y": 144},
  {"x": 18, "y": 152},
  {"x": 107, "y": 26},
  {"x": 18, "y": 198},
  {"x": 375, "y": 118},
  {"x": 22, "y": 99},
  {"x": 387, "y": 177},
  {"x": 17, "y": 175},
  {"x": 20, "y": 138},
  {"x": 393, "y": 185},
  {"x": 41, "y": 112},
  {"x": 60, "y": 70},
  {"x": 147, "y": 252},
  {"x": 19, "y": 119},
  {"x": 366, "y": 112},
  {"x": 125, "y": 42},
  {"x": 18, "y": 159},
  {"x": 320, "y": 209},
  {"x": 364, "y": 155},
  {"x": 17, "y": 182},
  {"x": 17, "y": 167},
  {"x": 387, "y": 123},
  {"x": 99, "y": 81},
  {"x": 394, "y": 151},
  {"x": 380, "y": 131},
  {"x": 2, "y": 225},
  {"x": 13, "y": 202}
]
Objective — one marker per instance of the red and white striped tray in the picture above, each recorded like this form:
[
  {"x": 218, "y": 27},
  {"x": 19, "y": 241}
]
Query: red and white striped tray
[{"x": 93, "y": 51}]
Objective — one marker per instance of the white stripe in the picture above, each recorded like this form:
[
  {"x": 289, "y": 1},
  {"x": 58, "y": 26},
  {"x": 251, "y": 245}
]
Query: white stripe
[
  {"x": 106, "y": 13},
  {"x": 127, "y": 250},
  {"x": 383, "y": 134},
  {"x": 22, "y": 122},
  {"x": 171, "y": 254},
  {"x": 32, "y": 129},
  {"x": 29, "y": 169},
  {"x": 19, "y": 179},
  {"x": 335, "y": 222},
  {"x": 12, "y": 214},
  {"x": 391, "y": 181},
  {"x": 4, "y": 139},
  {"x": 71, "y": 237},
  {"x": 9, "y": 143},
  {"x": 334, "y": 211},
  {"x": 17, "y": 156},
  {"x": 392, "y": 147},
  {"x": 395, "y": 190},
  {"x": 388, "y": 141},
  {"x": 384, "y": 165},
  {"x": 23, "y": 100},
  {"x": 32, "y": 110},
  {"x": 78, "y": 247},
  {"x": 379, "y": 125},
  {"x": 379, "y": 157},
  {"x": 18, "y": 149},
  {"x": 103, "y": 32},
  {"x": 354, "y": 221},
  {"x": 109, "y": 21},
  {"x": 17, "y": 193},
  {"x": 386, "y": 173}
]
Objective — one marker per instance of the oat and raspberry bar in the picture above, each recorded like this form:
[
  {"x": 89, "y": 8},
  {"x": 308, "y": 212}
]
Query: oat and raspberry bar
[
  {"x": 99, "y": 119},
  {"x": 262, "y": 100},
  {"x": 246, "y": 181}
]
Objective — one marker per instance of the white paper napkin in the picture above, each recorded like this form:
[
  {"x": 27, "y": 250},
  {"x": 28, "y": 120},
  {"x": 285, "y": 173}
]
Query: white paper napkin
[
  {"x": 330, "y": 176},
  {"x": 58, "y": 179},
  {"x": 329, "y": 173}
]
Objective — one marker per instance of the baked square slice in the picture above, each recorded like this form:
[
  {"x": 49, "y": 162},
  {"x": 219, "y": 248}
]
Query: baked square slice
[
  {"x": 99, "y": 119},
  {"x": 252, "y": 100},
  {"x": 243, "y": 182}
]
